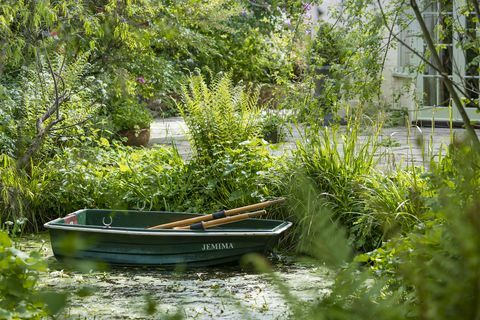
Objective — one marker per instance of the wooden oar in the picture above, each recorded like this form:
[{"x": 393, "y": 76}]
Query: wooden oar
[
  {"x": 218, "y": 222},
  {"x": 217, "y": 215}
]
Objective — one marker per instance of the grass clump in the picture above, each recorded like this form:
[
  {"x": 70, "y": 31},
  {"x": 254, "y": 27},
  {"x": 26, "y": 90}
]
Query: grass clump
[
  {"x": 372, "y": 205},
  {"x": 430, "y": 271}
]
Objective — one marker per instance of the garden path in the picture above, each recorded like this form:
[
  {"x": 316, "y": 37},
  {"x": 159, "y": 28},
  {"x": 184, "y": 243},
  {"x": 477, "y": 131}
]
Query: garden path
[{"x": 401, "y": 145}]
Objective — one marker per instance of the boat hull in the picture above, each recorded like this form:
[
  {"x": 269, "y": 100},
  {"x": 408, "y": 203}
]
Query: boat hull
[{"x": 139, "y": 246}]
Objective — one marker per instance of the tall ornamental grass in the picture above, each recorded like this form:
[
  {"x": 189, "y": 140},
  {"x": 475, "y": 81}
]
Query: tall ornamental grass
[
  {"x": 341, "y": 163},
  {"x": 428, "y": 273}
]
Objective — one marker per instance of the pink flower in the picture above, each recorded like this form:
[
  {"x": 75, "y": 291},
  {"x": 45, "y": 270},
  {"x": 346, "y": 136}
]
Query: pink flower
[
  {"x": 307, "y": 6},
  {"x": 141, "y": 80}
]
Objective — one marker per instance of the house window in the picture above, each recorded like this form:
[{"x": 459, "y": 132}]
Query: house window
[
  {"x": 450, "y": 30},
  {"x": 472, "y": 66},
  {"x": 406, "y": 59}
]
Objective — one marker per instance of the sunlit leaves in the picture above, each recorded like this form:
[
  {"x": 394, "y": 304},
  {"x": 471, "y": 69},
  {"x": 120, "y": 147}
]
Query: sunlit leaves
[{"x": 19, "y": 274}]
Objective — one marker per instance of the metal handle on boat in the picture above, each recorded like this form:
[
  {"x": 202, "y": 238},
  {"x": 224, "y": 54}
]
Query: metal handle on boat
[
  {"x": 218, "y": 222},
  {"x": 217, "y": 215}
]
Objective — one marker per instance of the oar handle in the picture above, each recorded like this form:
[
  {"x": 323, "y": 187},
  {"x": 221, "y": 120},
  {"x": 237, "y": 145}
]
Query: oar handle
[
  {"x": 253, "y": 207},
  {"x": 183, "y": 222},
  {"x": 217, "y": 215},
  {"x": 218, "y": 222}
]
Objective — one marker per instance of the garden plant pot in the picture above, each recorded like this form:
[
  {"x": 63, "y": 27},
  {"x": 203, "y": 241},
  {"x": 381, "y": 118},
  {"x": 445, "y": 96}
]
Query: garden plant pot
[
  {"x": 136, "y": 138},
  {"x": 322, "y": 73},
  {"x": 272, "y": 136}
]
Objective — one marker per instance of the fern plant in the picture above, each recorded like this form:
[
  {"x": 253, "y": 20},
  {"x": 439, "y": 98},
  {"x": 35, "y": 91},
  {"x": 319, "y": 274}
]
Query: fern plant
[{"x": 219, "y": 116}]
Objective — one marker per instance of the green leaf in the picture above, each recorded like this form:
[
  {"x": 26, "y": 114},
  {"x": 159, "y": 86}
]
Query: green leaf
[{"x": 54, "y": 301}]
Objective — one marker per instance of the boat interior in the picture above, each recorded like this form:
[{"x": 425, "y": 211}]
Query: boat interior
[{"x": 133, "y": 219}]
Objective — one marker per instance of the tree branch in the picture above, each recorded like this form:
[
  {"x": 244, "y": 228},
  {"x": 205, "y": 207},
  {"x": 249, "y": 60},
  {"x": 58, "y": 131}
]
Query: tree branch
[{"x": 42, "y": 129}]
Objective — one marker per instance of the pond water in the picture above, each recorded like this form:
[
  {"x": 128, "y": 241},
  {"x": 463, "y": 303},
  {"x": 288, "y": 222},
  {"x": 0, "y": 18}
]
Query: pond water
[{"x": 227, "y": 292}]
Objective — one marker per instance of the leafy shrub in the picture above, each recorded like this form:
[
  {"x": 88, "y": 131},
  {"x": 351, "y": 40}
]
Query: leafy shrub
[
  {"x": 115, "y": 177},
  {"x": 218, "y": 116},
  {"x": 19, "y": 275},
  {"x": 154, "y": 179},
  {"x": 231, "y": 165},
  {"x": 7, "y": 122},
  {"x": 393, "y": 204},
  {"x": 430, "y": 272},
  {"x": 18, "y": 193},
  {"x": 247, "y": 174},
  {"x": 437, "y": 261},
  {"x": 328, "y": 47},
  {"x": 272, "y": 127},
  {"x": 129, "y": 115}
]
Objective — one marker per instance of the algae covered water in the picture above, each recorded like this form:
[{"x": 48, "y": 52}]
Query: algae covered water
[{"x": 226, "y": 292}]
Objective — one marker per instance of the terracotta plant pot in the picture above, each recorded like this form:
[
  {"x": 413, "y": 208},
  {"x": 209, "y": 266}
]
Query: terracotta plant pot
[
  {"x": 272, "y": 136},
  {"x": 136, "y": 138}
]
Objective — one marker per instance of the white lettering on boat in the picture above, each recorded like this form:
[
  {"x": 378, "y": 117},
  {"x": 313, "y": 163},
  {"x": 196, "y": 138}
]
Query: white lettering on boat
[{"x": 217, "y": 246}]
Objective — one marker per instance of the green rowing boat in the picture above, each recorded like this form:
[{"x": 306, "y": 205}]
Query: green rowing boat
[{"x": 122, "y": 237}]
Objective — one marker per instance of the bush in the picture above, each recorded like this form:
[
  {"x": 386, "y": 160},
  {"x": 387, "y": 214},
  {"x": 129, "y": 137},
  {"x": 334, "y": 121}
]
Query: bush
[
  {"x": 115, "y": 178},
  {"x": 247, "y": 174},
  {"x": 430, "y": 272},
  {"x": 219, "y": 116},
  {"x": 337, "y": 163},
  {"x": 232, "y": 166},
  {"x": 19, "y": 274},
  {"x": 153, "y": 179},
  {"x": 18, "y": 194},
  {"x": 7, "y": 123},
  {"x": 437, "y": 261},
  {"x": 272, "y": 127},
  {"x": 130, "y": 115}
]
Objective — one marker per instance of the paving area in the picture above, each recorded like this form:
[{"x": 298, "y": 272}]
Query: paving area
[{"x": 400, "y": 145}]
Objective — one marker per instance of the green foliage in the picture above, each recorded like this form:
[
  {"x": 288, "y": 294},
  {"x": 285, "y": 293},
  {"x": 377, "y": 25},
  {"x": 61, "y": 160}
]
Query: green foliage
[
  {"x": 129, "y": 115},
  {"x": 8, "y": 130},
  {"x": 329, "y": 47},
  {"x": 337, "y": 163},
  {"x": 430, "y": 272},
  {"x": 119, "y": 177},
  {"x": 19, "y": 274},
  {"x": 150, "y": 40},
  {"x": 393, "y": 204},
  {"x": 32, "y": 93},
  {"x": 114, "y": 177},
  {"x": 246, "y": 174},
  {"x": 219, "y": 116},
  {"x": 232, "y": 166},
  {"x": 371, "y": 205},
  {"x": 438, "y": 259},
  {"x": 318, "y": 228},
  {"x": 17, "y": 191},
  {"x": 272, "y": 127},
  {"x": 353, "y": 50}
]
